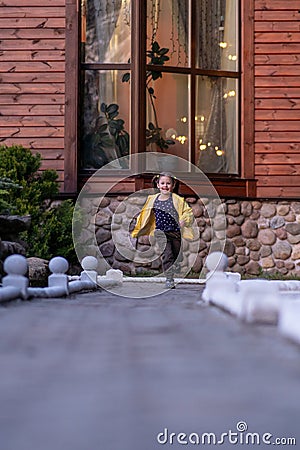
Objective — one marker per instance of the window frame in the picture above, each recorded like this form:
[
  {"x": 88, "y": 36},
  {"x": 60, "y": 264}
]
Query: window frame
[{"x": 242, "y": 185}]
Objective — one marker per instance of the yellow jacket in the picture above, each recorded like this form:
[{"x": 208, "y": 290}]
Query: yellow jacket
[{"x": 145, "y": 224}]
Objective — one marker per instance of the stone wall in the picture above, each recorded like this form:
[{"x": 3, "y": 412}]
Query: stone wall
[
  {"x": 260, "y": 235},
  {"x": 10, "y": 228}
]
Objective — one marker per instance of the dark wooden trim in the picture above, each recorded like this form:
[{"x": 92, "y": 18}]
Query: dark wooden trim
[
  {"x": 247, "y": 89},
  {"x": 71, "y": 96},
  {"x": 170, "y": 69},
  {"x": 106, "y": 66},
  {"x": 192, "y": 111},
  {"x": 224, "y": 186},
  {"x": 194, "y": 70},
  {"x": 138, "y": 79}
]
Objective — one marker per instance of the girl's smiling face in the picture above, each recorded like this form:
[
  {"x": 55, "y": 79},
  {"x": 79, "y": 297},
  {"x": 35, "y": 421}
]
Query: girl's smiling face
[{"x": 165, "y": 184}]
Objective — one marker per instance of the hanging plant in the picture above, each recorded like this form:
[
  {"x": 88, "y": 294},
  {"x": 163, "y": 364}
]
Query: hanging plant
[
  {"x": 107, "y": 133},
  {"x": 158, "y": 56}
]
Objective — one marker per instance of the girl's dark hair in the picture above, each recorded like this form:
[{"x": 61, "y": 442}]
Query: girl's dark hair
[{"x": 175, "y": 181}]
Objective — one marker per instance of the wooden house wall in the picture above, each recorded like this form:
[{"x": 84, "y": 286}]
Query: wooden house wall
[
  {"x": 277, "y": 98},
  {"x": 32, "y": 87},
  {"x": 32, "y": 77}
]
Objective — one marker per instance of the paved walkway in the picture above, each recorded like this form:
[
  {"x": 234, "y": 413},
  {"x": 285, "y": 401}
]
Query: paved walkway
[{"x": 99, "y": 371}]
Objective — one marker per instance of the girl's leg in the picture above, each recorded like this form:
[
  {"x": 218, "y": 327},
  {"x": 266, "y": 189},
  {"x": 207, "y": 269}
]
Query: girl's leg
[
  {"x": 175, "y": 239},
  {"x": 169, "y": 257}
]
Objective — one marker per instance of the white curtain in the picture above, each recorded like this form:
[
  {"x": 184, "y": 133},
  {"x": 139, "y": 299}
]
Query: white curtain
[{"x": 217, "y": 25}]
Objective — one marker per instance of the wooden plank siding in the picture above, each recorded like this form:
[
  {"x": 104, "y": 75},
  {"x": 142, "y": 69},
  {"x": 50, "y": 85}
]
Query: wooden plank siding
[
  {"x": 39, "y": 88},
  {"x": 277, "y": 98},
  {"x": 32, "y": 78}
]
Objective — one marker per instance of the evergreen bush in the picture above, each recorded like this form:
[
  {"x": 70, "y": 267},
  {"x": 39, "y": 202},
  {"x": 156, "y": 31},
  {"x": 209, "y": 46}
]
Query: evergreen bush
[{"x": 26, "y": 191}]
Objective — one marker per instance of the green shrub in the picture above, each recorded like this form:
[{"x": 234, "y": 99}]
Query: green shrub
[
  {"x": 6, "y": 185},
  {"x": 21, "y": 167},
  {"x": 28, "y": 192},
  {"x": 53, "y": 235}
]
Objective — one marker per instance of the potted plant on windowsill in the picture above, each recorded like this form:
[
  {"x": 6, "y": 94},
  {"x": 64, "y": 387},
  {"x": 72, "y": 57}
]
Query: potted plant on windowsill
[
  {"x": 158, "y": 57},
  {"x": 107, "y": 139}
]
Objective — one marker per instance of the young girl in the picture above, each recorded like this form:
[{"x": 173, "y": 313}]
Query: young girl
[{"x": 169, "y": 213}]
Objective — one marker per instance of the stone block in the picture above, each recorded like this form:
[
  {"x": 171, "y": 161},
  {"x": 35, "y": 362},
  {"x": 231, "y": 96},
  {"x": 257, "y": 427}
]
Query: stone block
[
  {"x": 102, "y": 235},
  {"x": 246, "y": 209},
  {"x": 267, "y": 237},
  {"x": 253, "y": 268},
  {"x": 239, "y": 220},
  {"x": 233, "y": 230},
  {"x": 268, "y": 210},
  {"x": 263, "y": 223},
  {"x": 267, "y": 263},
  {"x": 266, "y": 250},
  {"x": 293, "y": 239},
  {"x": 293, "y": 228},
  {"x": 282, "y": 250},
  {"x": 242, "y": 260},
  {"x": 256, "y": 204},
  {"x": 229, "y": 248},
  {"x": 277, "y": 222},
  {"x": 234, "y": 209},
  {"x": 296, "y": 252},
  {"x": 249, "y": 229},
  {"x": 104, "y": 202},
  {"x": 253, "y": 244},
  {"x": 290, "y": 217},
  {"x": 281, "y": 233},
  {"x": 197, "y": 210},
  {"x": 283, "y": 210}
]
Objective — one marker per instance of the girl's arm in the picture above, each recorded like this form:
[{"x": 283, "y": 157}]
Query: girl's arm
[
  {"x": 141, "y": 219},
  {"x": 187, "y": 217}
]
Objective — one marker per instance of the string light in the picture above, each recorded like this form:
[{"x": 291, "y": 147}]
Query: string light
[
  {"x": 181, "y": 139},
  {"x": 208, "y": 146},
  {"x": 126, "y": 12},
  {"x": 229, "y": 94},
  {"x": 179, "y": 36},
  {"x": 223, "y": 44},
  {"x": 154, "y": 17}
]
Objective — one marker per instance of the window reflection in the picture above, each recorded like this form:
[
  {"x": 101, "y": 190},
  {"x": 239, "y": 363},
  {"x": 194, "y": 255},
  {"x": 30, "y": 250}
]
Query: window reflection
[
  {"x": 216, "y": 34},
  {"x": 105, "y": 119},
  {"x": 106, "y": 28},
  {"x": 168, "y": 24},
  {"x": 216, "y": 124}
]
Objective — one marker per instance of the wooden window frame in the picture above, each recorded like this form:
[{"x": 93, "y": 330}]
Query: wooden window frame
[{"x": 226, "y": 185}]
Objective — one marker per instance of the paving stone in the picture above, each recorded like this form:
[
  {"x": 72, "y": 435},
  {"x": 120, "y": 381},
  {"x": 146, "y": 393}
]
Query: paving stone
[{"x": 108, "y": 371}]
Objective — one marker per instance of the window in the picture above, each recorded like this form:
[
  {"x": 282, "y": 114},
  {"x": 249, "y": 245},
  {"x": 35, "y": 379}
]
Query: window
[
  {"x": 191, "y": 82},
  {"x": 105, "y": 100}
]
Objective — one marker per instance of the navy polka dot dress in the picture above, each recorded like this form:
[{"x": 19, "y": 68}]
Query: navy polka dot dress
[{"x": 166, "y": 216}]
